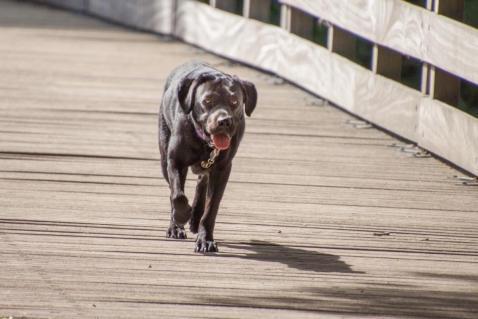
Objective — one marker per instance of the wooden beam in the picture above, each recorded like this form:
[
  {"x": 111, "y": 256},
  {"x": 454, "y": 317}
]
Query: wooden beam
[
  {"x": 377, "y": 99},
  {"x": 405, "y": 28},
  {"x": 246, "y": 8},
  {"x": 285, "y": 17},
  {"x": 429, "y": 4},
  {"x": 448, "y": 132},
  {"x": 425, "y": 77}
]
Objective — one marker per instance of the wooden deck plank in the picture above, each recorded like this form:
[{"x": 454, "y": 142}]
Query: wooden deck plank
[{"x": 84, "y": 210}]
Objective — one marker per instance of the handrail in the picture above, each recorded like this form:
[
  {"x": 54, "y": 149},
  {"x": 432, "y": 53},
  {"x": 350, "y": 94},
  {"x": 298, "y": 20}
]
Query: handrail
[
  {"x": 404, "y": 27},
  {"x": 447, "y": 48}
]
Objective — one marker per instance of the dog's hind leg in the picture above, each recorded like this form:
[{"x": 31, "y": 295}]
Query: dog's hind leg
[{"x": 199, "y": 203}]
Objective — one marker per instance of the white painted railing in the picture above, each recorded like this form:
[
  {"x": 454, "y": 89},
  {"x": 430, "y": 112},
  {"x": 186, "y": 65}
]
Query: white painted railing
[{"x": 447, "y": 48}]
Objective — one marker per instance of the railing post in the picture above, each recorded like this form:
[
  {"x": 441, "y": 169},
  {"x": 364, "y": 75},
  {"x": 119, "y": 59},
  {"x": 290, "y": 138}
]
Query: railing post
[
  {"x": 442, "y": 85},
  {"x": 425, "y": 78},
  {"x": 246, "y": 8},
  {"x": 285, "y": 17}
]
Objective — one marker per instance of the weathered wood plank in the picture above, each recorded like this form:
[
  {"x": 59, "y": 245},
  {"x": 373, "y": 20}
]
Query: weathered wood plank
[
  {"x": 405, "y": 28},
  {"x": 83, "y": 208},
  {"x": 314, "y": 68},
  {"x": 441, "y": 126},
  {"x": 384, "y": 102}
]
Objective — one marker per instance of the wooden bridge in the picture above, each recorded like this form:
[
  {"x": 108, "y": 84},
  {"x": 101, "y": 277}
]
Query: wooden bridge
[{"x": 324, "y": 216}]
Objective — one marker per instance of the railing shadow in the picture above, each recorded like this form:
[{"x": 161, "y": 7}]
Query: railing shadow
[
  {"x": 297, "y": 258},
  {"x": 357, "y": 296}
]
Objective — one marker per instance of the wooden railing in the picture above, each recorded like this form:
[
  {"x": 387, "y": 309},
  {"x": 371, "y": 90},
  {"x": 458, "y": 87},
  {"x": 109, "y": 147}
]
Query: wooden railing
[{"x": 427, "y": 115}]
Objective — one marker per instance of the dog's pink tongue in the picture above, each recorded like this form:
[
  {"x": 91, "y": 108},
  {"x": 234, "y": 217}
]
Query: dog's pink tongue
[{"x": 221, "y": 141}]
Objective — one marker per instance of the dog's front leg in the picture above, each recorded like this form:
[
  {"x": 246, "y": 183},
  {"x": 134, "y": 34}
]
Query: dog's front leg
[
  {"x": 216, "y": 185},
  {"x": 180, "y": 209},
  {"x": 199, "y": 203}
]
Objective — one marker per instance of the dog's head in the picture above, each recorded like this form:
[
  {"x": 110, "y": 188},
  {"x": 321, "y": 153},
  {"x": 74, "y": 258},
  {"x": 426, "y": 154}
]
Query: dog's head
[{"x": 217, "y": 102}]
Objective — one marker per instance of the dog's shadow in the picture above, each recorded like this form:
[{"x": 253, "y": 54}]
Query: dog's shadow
[{"x": 297, "y": 258}]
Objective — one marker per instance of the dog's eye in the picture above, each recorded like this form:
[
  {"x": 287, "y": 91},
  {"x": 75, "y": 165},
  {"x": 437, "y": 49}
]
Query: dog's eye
[
  {"x": 234, "y": 102},
  {"x": 207, "y": 101}
]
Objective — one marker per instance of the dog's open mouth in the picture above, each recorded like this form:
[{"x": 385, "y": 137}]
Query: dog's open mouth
[{"x": 221, "y": 141}]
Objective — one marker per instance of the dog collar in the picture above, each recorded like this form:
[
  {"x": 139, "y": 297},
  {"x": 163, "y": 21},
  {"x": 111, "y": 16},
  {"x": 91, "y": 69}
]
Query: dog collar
[{"x": 212, "y": 158}]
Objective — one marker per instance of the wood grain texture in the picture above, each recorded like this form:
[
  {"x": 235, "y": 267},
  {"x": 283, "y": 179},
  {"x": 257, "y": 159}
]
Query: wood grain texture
[
  {"x": 319, "y": 219},
  {"x": 375, "y": 98},
  {"x": 337, "y": 79},
  {"x": 454, "y": 135},
  {"x": 406, "y": 28}
]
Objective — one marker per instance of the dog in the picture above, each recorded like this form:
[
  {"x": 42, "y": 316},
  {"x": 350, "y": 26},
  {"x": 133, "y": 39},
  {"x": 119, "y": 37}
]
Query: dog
[{"x": 201, "y": 124}]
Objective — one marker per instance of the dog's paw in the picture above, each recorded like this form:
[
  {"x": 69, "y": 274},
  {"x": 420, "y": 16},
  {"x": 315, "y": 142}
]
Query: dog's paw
[
  {"x": 176, "y": 233},
  {"x": 206, "y": 246}
]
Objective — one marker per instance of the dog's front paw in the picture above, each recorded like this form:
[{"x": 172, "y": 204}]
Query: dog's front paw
[
  {"x": 176, "y": 232},
  {"x": 206, "y": 246}
]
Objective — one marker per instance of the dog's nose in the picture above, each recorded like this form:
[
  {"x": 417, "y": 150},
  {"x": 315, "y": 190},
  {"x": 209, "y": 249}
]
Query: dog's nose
[{"x": 224, "y": 121}]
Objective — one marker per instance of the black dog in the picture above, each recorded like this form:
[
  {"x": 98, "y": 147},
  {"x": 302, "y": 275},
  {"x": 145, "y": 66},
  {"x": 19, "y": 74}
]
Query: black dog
[{"x": 201, "y": 124}]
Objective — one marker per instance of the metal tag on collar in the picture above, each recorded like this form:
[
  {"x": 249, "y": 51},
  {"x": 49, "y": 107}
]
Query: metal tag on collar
[
  {"x": 212, "y": 159},
  {"x": 200, "y": 134}
]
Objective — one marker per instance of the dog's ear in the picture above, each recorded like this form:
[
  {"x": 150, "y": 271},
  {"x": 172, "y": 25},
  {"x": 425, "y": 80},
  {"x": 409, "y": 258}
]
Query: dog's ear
[
  {"x": 187, "y": 90},
  {"x": 250, "y": 95},
  {"x": 184, "y": 97}
]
